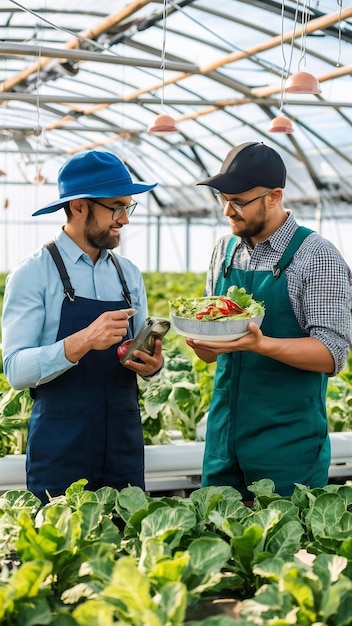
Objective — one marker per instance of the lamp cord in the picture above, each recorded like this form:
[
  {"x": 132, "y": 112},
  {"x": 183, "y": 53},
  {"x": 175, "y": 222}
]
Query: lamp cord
[{"x": 163, "y": 48}]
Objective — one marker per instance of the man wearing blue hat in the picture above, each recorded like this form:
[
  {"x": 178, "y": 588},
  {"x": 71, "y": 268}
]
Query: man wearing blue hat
[
  {"x": 66, "y": 309},
  {"x": 267, "y": 417}
]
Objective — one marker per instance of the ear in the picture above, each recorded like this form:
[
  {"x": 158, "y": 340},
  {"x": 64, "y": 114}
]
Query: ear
[
  {"x": 77, "y": 206},
  {"x": 276, "y": 195}
]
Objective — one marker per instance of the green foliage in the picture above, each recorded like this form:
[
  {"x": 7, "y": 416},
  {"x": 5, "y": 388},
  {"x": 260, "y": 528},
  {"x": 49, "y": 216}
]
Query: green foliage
[
  {"x": 15, "y": 409},
  {"x": 339, "y": 403},
  {"x": 2, "y": 289},
  {"x": 339, "y": 399},
  {"x": 164, "y": 286},
  {"x": 321, "y": 595},
  {"x": 179, "y": 396},
  {"x": 2, "y": 285},
  {"x": 176, "y": 399},
  {"x": 68, "y": 564}
]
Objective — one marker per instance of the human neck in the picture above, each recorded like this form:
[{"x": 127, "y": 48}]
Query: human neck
[
  {"x": 81, "y": 241},
  {"x": 270, "y": 229}
]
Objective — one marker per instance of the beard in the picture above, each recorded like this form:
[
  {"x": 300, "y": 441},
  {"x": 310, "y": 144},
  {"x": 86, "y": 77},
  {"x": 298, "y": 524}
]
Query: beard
[
  {"x": 98, "y": 237},
  {"x": 250, "y": 228}
]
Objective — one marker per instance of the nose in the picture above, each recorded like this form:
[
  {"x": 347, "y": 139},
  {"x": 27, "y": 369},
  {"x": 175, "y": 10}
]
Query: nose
[
  {"x": 226, "y": 208},
  {"x": 231, "y": 211},
  {"x": 123, "y": 218}
]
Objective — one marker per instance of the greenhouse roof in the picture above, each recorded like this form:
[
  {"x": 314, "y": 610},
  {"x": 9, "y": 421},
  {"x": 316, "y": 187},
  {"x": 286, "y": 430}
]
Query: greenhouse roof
[{"x": 76, "y": 76}]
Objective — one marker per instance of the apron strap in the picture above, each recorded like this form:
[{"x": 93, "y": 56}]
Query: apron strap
[
  {"x": 68, "y": 289},
  {"x": 125, "y": 291},
  {"x": 299, "y": 236},
  {"x": 230, "y": 251}
]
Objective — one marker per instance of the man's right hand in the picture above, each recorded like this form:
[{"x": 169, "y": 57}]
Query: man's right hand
[{"x": 107, "y": 330}]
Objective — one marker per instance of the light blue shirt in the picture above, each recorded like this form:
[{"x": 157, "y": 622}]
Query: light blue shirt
[{"x": 32, "y": 308}]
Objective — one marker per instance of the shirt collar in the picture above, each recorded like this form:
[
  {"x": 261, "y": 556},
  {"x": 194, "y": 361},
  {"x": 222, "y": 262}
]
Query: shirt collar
[{"x": 280, "y": 239}]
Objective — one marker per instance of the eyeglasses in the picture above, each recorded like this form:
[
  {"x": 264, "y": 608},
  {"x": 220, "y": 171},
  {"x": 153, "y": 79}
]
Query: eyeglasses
[
  {"x": 236, "y": 205},
  {"x": 117, "y": 211}
]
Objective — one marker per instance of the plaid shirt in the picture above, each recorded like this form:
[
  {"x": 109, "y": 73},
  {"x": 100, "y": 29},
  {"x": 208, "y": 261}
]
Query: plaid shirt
[{"x": 319, "y": 283}]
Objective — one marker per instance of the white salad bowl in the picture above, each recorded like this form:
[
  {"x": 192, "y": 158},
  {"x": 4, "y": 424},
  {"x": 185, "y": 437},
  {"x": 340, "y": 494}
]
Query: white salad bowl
[{"x": 220, "y": 330}]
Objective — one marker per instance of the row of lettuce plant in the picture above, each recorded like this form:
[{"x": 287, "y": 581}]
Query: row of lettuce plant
[{"x": 108, "y": 557}]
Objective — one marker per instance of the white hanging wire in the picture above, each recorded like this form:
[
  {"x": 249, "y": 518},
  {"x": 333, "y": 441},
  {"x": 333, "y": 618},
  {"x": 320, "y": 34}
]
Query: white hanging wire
[
  {"x": 283, "y": 72},
  {"x": 281, "y": 124},
  {"x": 293, "y": 39},
  {"x": 163, "y": 49},
  {"x": 305, "y": 20},
  {"x": 339, "y": 4},
  {"x": 38, "y": 178}
]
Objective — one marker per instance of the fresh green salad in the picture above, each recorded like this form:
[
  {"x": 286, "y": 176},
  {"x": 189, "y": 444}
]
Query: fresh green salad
[{"x": 235, "y": 305}]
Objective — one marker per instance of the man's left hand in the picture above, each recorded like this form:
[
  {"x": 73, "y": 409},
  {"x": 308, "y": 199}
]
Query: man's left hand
[
  {"x": 150, "y": 364},
  {"x": 209, "y": 350}
]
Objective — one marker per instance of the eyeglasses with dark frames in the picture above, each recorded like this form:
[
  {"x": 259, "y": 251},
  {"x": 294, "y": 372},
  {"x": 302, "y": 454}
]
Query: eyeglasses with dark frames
[
  {"x": 117, "y": 211},
  {"x": 237, "y": 205}
]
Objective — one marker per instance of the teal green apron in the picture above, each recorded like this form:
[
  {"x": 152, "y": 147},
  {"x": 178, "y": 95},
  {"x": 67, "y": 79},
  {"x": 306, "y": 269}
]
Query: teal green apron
[{"x": 266, "y": 419}]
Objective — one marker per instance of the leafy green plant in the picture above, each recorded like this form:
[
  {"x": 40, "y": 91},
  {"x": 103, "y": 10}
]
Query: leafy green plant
[
  {"x": 301, "y": 595},
  {"x": 73, "y": 561},
  {"x": 339, "y": 402},
  {"x": 15, "y": 409},
  {"x": 177, "y": 399},
  {"x": 110, "y": 557},
  {"x": 2, "y": 289}
]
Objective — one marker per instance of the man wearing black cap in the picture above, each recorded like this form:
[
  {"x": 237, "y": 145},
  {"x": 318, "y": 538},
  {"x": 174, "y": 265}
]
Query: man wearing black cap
[
  {"x": 66, "y": 309},
  {"x": 267, "y": 417}
]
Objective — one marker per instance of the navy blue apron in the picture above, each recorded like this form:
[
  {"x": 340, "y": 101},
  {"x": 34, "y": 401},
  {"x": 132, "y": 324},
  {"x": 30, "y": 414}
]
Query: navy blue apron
[{"x": 86, "y": 423}]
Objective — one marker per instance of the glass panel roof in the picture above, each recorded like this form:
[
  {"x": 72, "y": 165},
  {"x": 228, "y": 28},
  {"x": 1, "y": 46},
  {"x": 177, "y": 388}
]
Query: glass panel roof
[{"x": 73, "y": 79}]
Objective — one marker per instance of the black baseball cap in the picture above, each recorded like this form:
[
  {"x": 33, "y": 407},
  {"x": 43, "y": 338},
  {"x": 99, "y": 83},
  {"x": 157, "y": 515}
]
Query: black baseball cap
[{"x": 246, "y": 166}]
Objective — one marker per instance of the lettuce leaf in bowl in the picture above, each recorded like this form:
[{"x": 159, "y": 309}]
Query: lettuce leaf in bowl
[{"x": 235, "y": 305}]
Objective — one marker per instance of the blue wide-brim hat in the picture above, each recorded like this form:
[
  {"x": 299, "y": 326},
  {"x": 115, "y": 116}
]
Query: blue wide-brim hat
[{"x": 94, "y": 174}]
